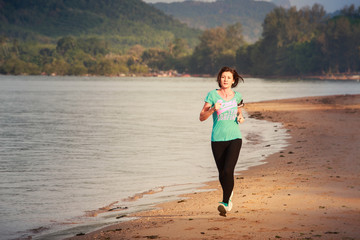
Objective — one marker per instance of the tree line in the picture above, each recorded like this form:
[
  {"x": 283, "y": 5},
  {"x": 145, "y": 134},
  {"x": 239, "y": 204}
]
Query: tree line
[
  {"x": 304, "y": 42},
  {"x": 293, "y": 43},
  {"x": 220, "y": 13}
]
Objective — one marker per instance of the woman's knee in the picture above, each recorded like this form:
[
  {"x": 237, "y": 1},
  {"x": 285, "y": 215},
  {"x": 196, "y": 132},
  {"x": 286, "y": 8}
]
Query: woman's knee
[{"x": 227, "y": 172}]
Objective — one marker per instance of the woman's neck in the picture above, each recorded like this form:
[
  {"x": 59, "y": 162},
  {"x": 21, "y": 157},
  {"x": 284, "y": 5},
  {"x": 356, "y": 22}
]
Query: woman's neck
[{"x": 226, "y": 91}]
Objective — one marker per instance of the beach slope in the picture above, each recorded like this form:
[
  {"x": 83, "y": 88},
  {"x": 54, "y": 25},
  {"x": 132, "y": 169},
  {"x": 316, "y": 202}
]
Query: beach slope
[{"x": 310, "y": 190}]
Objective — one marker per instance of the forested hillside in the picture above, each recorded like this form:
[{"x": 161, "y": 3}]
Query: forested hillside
[
  {"x": 122, "y": 23},
  {"x": 205, "y": 15},
  {"x": 304, "y": 42},
  {"x": 34, "y": 40}
]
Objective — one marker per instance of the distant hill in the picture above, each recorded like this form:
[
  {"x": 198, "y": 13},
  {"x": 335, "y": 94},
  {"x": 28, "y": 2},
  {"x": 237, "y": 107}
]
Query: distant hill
[
  {"x": 203, "y": 15},
  {"x": 282, "y": 3},
  {"x": 121, "y": 22}
]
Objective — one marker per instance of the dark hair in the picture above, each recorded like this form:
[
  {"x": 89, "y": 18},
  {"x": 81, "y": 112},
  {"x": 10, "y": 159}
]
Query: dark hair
[{"x": 236, "y": 76}]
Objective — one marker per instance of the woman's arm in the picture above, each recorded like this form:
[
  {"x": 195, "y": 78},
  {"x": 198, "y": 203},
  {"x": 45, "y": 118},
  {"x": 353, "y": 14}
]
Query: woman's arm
[
  {"x": 240, "y": 117},
  {"x": 207, "y": 110}
]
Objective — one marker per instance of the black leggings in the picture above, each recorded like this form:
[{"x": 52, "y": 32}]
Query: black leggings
[{"x": 226, "y": 155}]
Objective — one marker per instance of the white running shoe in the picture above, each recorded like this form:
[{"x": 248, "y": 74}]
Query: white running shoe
[
  {"x": 223, "y": 208},
  {"x": 230, "y": 205}
]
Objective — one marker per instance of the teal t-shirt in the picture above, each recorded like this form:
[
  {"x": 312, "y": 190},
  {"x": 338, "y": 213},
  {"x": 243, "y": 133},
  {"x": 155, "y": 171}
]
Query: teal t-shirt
[{"x": 225, "y": 125}]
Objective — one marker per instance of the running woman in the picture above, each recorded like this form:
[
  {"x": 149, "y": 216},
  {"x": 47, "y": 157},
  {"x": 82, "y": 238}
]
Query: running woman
[{"x": 224, "y": 105}]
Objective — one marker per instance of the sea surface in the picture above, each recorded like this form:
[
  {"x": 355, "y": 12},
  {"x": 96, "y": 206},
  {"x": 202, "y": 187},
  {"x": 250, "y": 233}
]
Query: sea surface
[{"x": 73, "y": 148}]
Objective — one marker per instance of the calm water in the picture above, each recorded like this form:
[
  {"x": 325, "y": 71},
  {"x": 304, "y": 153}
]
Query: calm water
[{"x": 70, "y": 145}]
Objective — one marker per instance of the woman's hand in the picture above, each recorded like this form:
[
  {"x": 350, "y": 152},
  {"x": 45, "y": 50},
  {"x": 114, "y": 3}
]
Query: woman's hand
[
  {"x": 217, "y": 106},
  {"x": 206, "y": 112},
  {"x": 240, "y": 119}
]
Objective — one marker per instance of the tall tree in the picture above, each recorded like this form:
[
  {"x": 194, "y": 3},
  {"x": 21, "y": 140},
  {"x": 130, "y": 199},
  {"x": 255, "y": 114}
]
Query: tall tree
[
  {"x": 341, "y": 45},
  {"x": 285, "y": 32},
  {"x": 217, "y": 48}
]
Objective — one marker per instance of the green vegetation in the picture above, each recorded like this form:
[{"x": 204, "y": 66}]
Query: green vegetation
[
  {"x": 113, "y": 40},
  {"x": 80, "y": 37},
  {"x": 217, "y": 48},
  {"x": 205, "y": 15},
  {"x": 304, "y": 42},
  {"x": 122, "y": 23},
  {"x": 88, "y": 56}
]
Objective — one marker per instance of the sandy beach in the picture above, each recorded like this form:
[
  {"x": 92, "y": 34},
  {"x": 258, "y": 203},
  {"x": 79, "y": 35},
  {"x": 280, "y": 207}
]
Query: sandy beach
[{"x": 310, "y": 190}]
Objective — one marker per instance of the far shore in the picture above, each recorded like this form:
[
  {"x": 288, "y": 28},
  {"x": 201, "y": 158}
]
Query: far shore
[
  {"x": 309, "y": 190},
  {"x": 171, "y": 73}
]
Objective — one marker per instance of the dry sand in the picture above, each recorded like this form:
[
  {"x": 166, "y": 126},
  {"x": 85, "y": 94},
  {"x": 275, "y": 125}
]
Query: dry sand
[{"x": 310, "y": 190}]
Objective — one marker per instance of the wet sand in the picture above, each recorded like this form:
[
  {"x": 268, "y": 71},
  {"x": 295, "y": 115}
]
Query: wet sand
[{"x": 310, "y": 190}]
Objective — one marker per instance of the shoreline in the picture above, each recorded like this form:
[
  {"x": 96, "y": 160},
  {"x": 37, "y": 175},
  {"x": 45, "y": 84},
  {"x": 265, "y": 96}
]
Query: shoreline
[
  {"x": 309, "y": 190},
  {"x": 172, "y": 74}
]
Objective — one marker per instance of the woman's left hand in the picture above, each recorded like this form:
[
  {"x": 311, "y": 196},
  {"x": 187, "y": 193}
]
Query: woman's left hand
[{"x": 240, "y": 119}]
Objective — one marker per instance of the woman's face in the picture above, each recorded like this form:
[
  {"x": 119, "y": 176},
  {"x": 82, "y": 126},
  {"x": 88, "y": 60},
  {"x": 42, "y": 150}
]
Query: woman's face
[{"x": 226, "y": 80}]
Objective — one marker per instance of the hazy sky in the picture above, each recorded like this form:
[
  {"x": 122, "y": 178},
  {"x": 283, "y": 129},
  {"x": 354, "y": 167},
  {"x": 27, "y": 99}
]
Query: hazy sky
[{"x": 329, "y": 5}]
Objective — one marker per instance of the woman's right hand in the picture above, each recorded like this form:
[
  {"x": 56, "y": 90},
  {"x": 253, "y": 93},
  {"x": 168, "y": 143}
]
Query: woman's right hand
[
  {"x": 207, "y": 110},
  {"x": 217, "y": 106}
]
